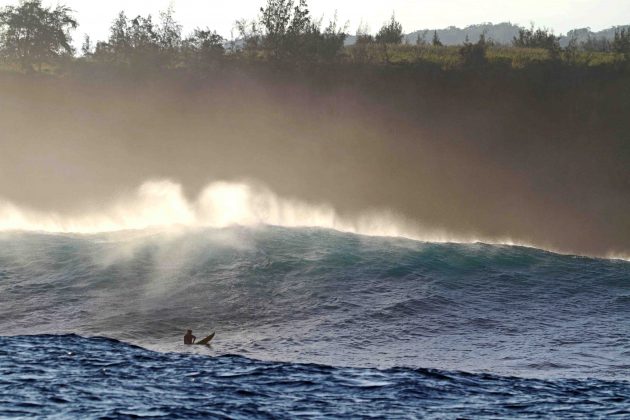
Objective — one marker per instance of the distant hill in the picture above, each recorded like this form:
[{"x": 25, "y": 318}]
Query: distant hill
[
  {"x": 500, "y": 33},
  {"x": 584, "y": 34}
]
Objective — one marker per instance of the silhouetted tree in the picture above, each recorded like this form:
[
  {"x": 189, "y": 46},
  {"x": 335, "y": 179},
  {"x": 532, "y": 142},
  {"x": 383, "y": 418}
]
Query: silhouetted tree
[
  {"x": 32, "y": 35},
  {"x": 289, "y": 33},
  {"x": 536, "y": 38},
  {"x": 571, "y": 50},
  {"x": 143, "y": 34},
  {"x": 621, "y": 42},
  {"x": 250, "y": 37},
  {"x": 285, "y": 23},
  {"x": 436, "y": 40},
  {"x": 329, "y": 42},
  {"x": 390, "y": 33},
  {"x": 474, "y": 55},
  {"x": 421, "y": 39},
  {"x": 363, "y": 34},
  {"x": 140, "y": 42},
  {"x": 118, "y": 46},
  {"x": 169, "y": 35},
  {"x": 86, "y": 47},
  {"x": 204, "y": 47},
  {"x": 361, "y": 49}
]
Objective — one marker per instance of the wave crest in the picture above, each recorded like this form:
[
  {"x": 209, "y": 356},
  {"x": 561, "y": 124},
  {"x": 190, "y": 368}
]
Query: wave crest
[{"x": 162, "y": 204}]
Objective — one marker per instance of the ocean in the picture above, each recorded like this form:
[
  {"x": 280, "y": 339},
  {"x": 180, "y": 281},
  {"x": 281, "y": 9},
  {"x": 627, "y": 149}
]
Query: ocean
[{"x": 309, "y": 322}]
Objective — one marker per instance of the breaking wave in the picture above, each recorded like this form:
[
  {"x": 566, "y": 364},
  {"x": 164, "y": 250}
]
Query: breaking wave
[
  {"x": 323, "y": 296},
  {"x": 163, "y": 205}
]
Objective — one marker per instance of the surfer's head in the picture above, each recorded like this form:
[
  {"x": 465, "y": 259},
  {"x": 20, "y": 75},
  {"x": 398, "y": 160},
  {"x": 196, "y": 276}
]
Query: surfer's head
[{"x": 189, "y": 331}]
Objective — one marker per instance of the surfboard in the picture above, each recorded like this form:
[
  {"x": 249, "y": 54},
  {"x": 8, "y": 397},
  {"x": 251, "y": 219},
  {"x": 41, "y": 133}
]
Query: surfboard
[{"x": 206, "y": 340}]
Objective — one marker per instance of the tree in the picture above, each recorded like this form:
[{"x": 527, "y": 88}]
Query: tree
[
  {"x": 390, "y": 33},
  {"x": 86, "y": 47},
  {"x": 250, "y": 36},
  {"x": 621, "y": 42},
  {"x": 33, "y": 35},
  {"x": 363, "y": 34},
  {"x": 326, "y": 44},
  {"x": 539, "y": 38},
  {"x": 289, "y": 32},
  {"x": 536, "y": 38},
  {"x": 474, "y": 55},
  {"x": 140, "y": 42},
  {"x": 361, "y": 51},
  {"x": 421, "y": 38},
  {"x": 170, "y": 31},
  {"x": 285, "y": 23},
  {"x": 118, "y": 47},
  {"x": 436, "y": 40},
  {"x": 143, "y": 35},
  {"x": 205, "y": 46},
  {"x": 169, "y": 34}
]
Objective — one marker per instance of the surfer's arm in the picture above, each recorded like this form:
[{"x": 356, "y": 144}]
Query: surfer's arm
[{"x": 194, "y": 338}]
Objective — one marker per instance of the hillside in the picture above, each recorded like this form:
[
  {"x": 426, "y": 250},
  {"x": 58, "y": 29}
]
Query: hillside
[{"x": 500, "y": 33}]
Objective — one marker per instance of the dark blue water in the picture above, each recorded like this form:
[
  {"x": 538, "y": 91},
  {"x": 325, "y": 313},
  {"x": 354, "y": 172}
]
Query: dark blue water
[
  {"x": 70, "y": 376},
  {"x": 323, "y": 323}
]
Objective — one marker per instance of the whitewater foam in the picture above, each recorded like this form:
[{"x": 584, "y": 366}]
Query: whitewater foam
[{"x": 162, "y": 206}]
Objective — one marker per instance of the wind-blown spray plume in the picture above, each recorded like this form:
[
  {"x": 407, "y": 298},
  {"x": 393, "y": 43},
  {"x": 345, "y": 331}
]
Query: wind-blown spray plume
[
  {"x": 162, "y": 205},
  {"x": 400, "y": 157}
]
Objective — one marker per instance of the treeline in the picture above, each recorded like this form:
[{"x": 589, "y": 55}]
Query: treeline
[
  {"x": 34, "y": 37},
  {"x": 543, "y": 38}
]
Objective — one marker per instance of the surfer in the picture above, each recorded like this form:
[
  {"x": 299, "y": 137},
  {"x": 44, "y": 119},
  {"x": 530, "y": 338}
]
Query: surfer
[{"x": 189, "y": 338}]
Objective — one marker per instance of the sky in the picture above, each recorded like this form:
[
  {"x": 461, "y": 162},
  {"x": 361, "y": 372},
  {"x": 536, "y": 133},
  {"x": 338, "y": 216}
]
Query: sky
[{"x": 95, "y": 17}]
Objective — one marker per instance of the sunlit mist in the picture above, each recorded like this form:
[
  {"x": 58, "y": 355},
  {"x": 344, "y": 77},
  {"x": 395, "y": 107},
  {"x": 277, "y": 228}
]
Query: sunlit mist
[{"x": 161, "y": 204}]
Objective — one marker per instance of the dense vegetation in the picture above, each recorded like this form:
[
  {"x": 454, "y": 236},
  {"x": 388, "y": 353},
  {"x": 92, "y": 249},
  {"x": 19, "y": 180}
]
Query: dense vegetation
[{"x": 37, "y": 38}]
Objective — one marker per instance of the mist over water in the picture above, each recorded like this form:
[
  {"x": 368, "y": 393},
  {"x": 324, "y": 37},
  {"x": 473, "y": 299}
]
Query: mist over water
[
  {"x": 403, "y": 159},
  {"x": 161, "y": 205}
]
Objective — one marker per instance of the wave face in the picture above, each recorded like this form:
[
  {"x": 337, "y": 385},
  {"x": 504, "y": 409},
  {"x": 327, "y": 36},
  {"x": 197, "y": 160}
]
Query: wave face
[
  {"x": 163, "y": 205},
  {"x": 70, "y": 370},
  {"x": 321, "y": 296}
]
